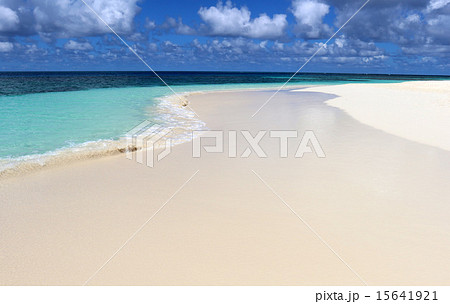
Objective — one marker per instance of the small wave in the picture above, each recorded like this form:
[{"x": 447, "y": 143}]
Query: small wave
[
  {"x": 91, "y": 149},
  {"x": 178, "y": 119}
]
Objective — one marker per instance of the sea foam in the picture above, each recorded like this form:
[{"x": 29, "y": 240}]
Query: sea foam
[{"x": 171, "y": 113}]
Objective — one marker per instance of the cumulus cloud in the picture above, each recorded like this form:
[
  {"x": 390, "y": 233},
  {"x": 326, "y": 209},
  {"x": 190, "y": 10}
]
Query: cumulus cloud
[
  {"x": 437, "y": 4},
  {"x": 66, "y": 19},
  {"x": 78, "y": 46},
  {"x": 149, "y": 24},
  {"x": 227, "y": 20},
  {"x": 177, "y": 26},
  {"x": 9, "y": 21},
  {"x": 6, "y": 47},
  {"x": 309, "y": 15},
  {"x": 414, "y": 26},
  {"x": 343, "y": 53},
  {"x": 229, "y": 46},
  {"x": 278, "y": 46}
]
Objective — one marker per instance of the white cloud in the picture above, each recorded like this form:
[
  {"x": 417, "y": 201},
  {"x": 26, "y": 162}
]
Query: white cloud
[
  {"x": 309, "y": 15},
  {"x": 438, "y": 28},
  {"x": 152, "y": 47},
  {"x": 437, "y": 4},
  {"x": 64, "y": 19},
  {"x": 32, "y": 49},
  {"x": 78, "y": 46},
  {"x": 169, "y": 47},
  {"x": 227, "y": 20},
  {"x": 6, "y": 47},
  {"x": 229, "y": 49},
  {"x": 9, "y": 20},
  {"x": 138, "y": 36},
  {"x": 278, "y": 46},
  {"x": 309, "y": 12},
  {"x": 339, "y": 42},
  {"x": 149, "y": 24},
  {"x": 178, "y": 26}
]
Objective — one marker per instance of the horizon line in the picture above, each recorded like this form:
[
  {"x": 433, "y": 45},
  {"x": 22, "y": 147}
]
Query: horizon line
[{"x": 216, "y": 71}]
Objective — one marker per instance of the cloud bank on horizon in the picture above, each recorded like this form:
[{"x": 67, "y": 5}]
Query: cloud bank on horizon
[{"x": 405, "y": 36}]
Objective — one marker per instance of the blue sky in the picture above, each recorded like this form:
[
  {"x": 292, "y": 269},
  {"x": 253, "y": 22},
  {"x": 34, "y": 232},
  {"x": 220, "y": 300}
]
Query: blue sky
[{"x": 387, "y": 36}]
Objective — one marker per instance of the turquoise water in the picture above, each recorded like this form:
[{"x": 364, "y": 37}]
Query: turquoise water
[
  {"x": 45, "y": 112},
  {"x": 43, "y": 122},
  {"x": 35, "y": 124},
  {"x": 38, "y": 123}
]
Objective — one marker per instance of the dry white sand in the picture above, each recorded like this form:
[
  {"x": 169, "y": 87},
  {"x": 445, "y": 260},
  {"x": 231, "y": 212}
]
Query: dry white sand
[
  {"x": 416, "y": 110},
  {"x": 380, "y": 201}
]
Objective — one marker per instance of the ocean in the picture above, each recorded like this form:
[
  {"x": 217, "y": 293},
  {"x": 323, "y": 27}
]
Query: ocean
[{"x": 44, "y": 115}]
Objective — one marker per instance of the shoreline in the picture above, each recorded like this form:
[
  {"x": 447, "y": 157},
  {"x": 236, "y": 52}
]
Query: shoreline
[{"x": 182, "y": 122}]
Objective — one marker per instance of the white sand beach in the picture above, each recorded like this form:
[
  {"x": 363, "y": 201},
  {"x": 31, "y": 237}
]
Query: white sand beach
[
  {"x": 379, "y": 199},
  {"x": 417, "y": 110}
]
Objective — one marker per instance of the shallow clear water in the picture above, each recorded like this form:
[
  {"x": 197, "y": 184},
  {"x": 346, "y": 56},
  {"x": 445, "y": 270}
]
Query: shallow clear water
[
  {"x": 44, "y": 112},
  {"x": 42, "y": 122}
]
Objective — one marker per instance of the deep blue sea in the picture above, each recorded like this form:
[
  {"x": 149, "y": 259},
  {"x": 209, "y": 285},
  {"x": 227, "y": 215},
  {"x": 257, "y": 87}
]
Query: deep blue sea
[{"x": 46, "y": 113}]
